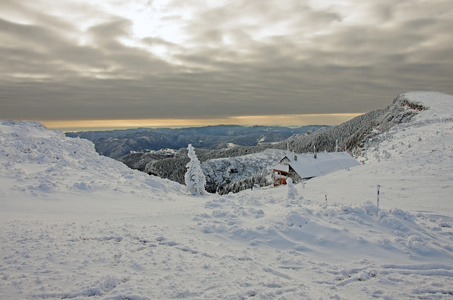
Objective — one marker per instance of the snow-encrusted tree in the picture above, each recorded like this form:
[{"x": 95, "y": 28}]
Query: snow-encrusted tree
[
  {"x": 292, "y": 191},
  {"x": 194, "y": 178}
]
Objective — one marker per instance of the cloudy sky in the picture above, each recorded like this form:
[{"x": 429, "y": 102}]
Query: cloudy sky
[{"x": 235, "y": 60}]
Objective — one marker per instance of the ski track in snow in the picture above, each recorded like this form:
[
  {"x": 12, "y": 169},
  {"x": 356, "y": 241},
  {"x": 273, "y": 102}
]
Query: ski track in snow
[{"x": 76, "y": 225}]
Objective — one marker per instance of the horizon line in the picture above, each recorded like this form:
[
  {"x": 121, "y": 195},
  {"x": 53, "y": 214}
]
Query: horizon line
[{"x": 275, "y": 120}]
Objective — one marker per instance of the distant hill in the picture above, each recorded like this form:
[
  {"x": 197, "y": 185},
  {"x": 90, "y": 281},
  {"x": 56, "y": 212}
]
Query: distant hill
[{"x": 118, "y": 143}]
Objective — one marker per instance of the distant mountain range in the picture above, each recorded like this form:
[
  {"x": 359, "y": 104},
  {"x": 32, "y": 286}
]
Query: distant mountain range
[{"x": 118, "y": 143}]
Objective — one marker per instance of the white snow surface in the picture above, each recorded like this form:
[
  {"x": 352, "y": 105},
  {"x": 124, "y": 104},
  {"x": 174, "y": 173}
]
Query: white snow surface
[{"x": 78, "y": 225}]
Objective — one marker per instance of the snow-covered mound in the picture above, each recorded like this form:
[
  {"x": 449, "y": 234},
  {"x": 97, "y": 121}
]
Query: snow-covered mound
[
  {"x": 38, "y": 161},
  {"x": 439, "y": 106},
  {"x": 77, "y": 225}
]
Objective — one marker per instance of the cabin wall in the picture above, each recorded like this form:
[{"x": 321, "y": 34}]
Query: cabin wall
[
  {"x": 294, "y": 176},
  {"x": 279, "y": 177}
]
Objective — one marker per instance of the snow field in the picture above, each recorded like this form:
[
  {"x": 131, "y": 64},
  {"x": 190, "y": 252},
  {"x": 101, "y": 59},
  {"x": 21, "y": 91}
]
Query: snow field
[
  {"x": 345, "y": 245},
  {"x": 234, "y": 248}
]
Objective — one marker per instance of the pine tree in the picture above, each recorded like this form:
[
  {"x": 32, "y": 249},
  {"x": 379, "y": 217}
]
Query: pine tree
[{"x": 195, "y": 179}]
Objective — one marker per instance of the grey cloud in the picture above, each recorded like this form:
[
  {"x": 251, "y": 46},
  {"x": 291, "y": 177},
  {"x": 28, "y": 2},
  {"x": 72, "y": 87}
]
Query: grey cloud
[
  {"x": 28, "y": 49},
  {"x": 246, "y": 18},
  {"x": 16, "y": 34},
  {"x": 34, "y": 11},
  {"x": 157, "y": 41},
  {"x": 383, "y": 12},
  {"x": 54, "y": 54},
  {"x": 108, "y": 31},
  {"x": 83, "y": 56},
  {"x": 126, "y": 60}
]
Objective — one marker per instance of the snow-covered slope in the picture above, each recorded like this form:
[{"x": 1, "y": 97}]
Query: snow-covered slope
[
  {"x": 36, "y": 161},
  {"x": 413, "y": 163},
  {"x": 77, "y": 225}
]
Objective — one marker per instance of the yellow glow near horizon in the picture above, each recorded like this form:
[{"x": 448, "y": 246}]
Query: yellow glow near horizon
[{"x": 282, "y": 120}]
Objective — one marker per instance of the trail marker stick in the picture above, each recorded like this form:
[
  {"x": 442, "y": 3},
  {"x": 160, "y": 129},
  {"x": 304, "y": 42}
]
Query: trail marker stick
[{"x": 378, "y": 188}]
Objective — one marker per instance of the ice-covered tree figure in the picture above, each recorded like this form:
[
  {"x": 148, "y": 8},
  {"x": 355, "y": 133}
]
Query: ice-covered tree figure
[
  {"x": 195, "y": 179},
  {"x": 292, "y": 191}
]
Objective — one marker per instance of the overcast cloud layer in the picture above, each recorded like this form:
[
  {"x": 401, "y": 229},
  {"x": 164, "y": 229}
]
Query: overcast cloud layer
[{"x": 83, "y": 59}]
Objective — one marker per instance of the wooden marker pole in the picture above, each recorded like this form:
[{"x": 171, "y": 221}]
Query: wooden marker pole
[{"x": 378, "y": 188}]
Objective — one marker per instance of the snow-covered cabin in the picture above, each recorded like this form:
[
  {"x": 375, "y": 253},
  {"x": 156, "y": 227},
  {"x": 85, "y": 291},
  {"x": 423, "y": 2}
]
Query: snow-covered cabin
[{"x": 306, "y": 166}]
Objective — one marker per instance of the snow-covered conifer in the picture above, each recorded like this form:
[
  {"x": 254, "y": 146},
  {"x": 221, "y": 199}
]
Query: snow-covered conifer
[
  {"x": 292, "y": 191},
  {"x": 195, "y": 179}
]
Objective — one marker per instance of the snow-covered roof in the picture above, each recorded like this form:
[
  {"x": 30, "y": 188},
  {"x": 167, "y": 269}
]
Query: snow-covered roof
[
  {"x": 306, "y": 166},
  {"x": 281, "y": 167}
]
